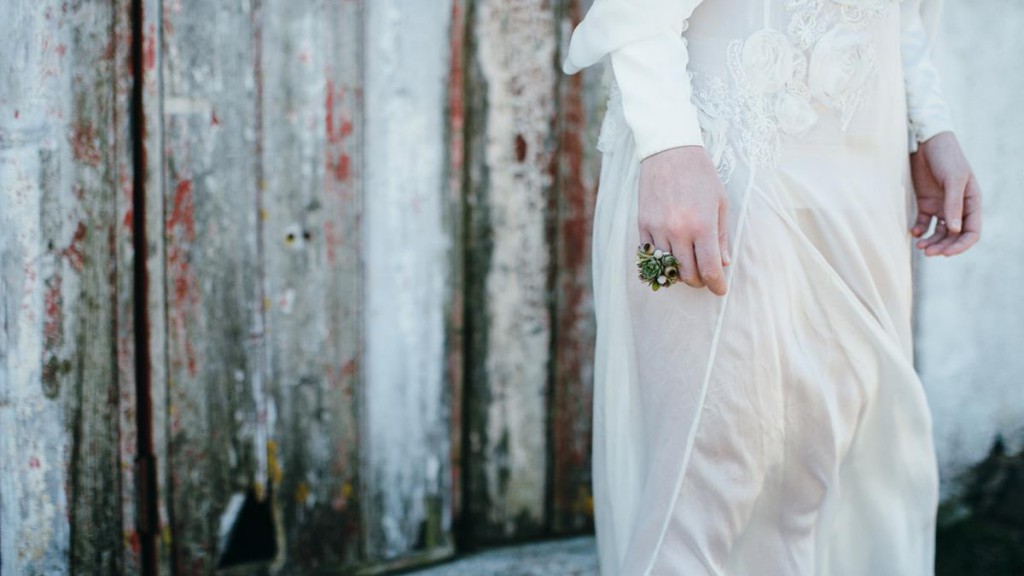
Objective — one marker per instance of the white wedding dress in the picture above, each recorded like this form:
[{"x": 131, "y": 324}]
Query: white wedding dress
[{"x": 780, "y": 429}]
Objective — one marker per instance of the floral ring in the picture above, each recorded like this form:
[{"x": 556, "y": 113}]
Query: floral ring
[{"x": 656, "y": 267}]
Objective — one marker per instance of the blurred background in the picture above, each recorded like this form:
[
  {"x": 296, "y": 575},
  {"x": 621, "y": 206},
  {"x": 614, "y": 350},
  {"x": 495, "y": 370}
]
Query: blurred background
[{"x": 297, "y": 287}]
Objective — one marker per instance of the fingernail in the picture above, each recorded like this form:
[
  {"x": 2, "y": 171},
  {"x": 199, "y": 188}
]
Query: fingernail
[{"x": 954, "y": 225}]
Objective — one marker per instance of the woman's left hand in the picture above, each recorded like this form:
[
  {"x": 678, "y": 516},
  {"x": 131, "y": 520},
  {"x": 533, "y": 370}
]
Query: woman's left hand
[{"x": 946, "y": 189}]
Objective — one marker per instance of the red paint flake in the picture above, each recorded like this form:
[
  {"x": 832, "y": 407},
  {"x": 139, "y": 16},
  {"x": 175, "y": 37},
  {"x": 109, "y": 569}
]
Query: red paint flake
[
  {"x": 185, "y": 296},
  {"x": 342, "y": 169},
  {"x": 74, "y": 252},
  {"x": 338, "y": 162},
  {"x": 329, "y": 105},
  {"x": 33, "y": 462},
  {"x": 126, "y": 192},
  {"x": 53, "y": 328},
  {"x": 61, "y": 49},
  {"x": 304, "y": 57},
  {"x": 520, "y": 148},
  {"x": 17, "y": 114},
  {"x": 330, "y": 239},
  {"x": 456, "y": 108},
  {"x": 183, "y": 212},
  {"x": 214, "y": 120},
  {"x": 149, "y": 49},
  {"x": 110, "y": 51},
  {"x": 349, "y": 368},
  {"x": 83, "y": 144},
  {"x": 135, "y": 542},
  {"x": 52, "y": 306}
]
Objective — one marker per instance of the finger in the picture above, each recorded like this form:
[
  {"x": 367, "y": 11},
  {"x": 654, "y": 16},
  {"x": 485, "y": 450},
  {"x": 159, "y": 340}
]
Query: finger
[
  {"x": 683, "y": 251},
  {"x": 921, "y": 225},
  {"x": 941, "y": 246},
  {"x": 938, "y": 234},
  {"x": 941, "y": 232},
  {"x": 723, "y": 232},
  {"x": 972, "y": 222},
  {"x": 972, "y": 207},
  {"x": 964, "y": 240},
  {"x": 953, "y": 206},
  {"x": 709, "y": 262},
  {"x": 688, "y": 271}
]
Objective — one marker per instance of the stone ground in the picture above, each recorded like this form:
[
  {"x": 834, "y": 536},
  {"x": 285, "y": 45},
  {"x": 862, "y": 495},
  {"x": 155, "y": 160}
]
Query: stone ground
[
  {"x": 565, "y": 557},
  {"x": 981, "y": 534},
  {"x": 972, "y": 547}
]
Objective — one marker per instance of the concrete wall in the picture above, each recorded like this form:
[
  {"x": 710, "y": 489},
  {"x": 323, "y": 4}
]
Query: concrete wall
[{"x": 970, "y": 338}]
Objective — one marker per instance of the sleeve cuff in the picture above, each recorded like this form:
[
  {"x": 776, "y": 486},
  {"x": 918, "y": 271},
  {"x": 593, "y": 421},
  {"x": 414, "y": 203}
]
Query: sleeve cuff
[
  {"x": 928, "y": 113},
  {"x": 656, "y": 92}
]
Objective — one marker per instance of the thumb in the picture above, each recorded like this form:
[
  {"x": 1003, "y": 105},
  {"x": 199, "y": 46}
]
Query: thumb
[{"x": 953, "y": 207}]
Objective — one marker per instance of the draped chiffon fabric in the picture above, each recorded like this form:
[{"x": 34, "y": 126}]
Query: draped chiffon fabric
[{"x": 780, "y": 429}]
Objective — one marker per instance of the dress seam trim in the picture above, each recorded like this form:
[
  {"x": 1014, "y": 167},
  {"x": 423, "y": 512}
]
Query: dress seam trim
[{"x": 707, "y": 378}]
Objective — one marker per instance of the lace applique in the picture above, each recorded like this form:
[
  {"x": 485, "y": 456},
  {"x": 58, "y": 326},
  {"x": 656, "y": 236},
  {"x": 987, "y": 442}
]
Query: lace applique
[
  {"x": 804, "y": 25},
  {"x": 760, "y": 133},
  {"x": 825, "y": 56},
  {"x": 862, "y": 10},
  {"x": 716, "y": 110}
]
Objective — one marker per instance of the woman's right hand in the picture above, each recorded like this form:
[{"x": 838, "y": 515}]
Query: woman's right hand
[{"x": 682, "y": 207}]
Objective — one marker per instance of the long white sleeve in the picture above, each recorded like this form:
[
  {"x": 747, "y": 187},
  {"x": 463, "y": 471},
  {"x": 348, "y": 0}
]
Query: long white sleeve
[
  {"x": 927, "y": 111},
  {"x": 649, "y": 59},
  {"x": 656, "y": 91}
]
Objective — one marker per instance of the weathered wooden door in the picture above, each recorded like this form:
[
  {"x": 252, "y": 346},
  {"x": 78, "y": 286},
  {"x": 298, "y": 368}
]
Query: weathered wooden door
[{"x": 291, "y": 286}]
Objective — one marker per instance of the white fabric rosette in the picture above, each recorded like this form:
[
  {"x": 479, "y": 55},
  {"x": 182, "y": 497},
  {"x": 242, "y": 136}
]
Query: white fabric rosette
[
  {"x": 768, "y": 60},
  {"x": 840, "y": 64}
]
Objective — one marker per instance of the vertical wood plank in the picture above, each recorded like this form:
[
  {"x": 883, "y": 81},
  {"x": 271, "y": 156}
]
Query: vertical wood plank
[
  {"x": 581, "y": 101},
  {"x": 455, "y": 225},
  {"x": 312, "y": 162},
  {"x": 141, "y": 323},
  {"x": 408, "y": 442},
  {"x": 512, "y": 86},
  {"x": 123, "y": 247},
  {"x": 59, "y": 454},
  {"x": 155, "y": 297},
  {"x": 219, "y": 413}
]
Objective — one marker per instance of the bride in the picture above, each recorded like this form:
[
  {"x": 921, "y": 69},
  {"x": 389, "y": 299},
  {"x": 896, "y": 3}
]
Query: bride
[{"x": 767, "y": 166}]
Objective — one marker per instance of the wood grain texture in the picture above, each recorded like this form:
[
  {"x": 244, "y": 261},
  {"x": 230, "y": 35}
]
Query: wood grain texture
[
  {"x": 455, "y": 165},
  {"x": 581, "y": 101},
  {"x": 366, "y": 319},
  {"x": 219, "y": 411},
  {"x": 511, "y": 90},
  {"x": 312, "y": 205},
  {"x": 408, "y": 483},
  {"x": 60, "y": 143},
  {"x": 154, "y": 297}
]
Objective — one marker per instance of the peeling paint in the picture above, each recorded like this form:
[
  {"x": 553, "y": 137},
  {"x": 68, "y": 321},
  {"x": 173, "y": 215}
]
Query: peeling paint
[
  {"x": 511, "y": 331},
  {"x": 405, "y": 418}
]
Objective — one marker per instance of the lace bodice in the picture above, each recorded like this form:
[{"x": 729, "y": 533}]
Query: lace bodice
[{"x": 742, "y": 76}]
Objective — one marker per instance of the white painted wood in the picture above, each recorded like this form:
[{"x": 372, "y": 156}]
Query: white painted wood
[{"x": 406, "y": 267}]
